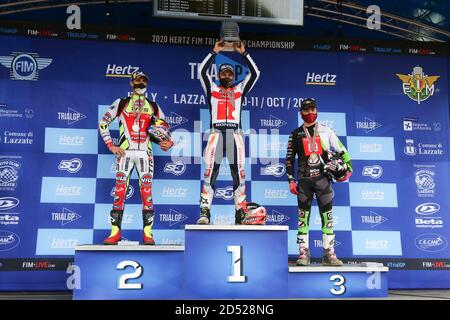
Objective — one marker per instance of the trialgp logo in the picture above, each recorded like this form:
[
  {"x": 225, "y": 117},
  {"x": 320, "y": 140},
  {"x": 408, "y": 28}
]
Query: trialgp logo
[
  {"x": 417, "y": 85},
  {"x": 24, "y": 66}
]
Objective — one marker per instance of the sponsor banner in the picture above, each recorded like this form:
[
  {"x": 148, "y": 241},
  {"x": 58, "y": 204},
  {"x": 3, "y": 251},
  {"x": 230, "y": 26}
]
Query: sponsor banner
[
  {"x": 225, "y": 171},
  {"x": 55, "y": 242},
  {"x": 378, "y": 243},
  {"x": 333, "y": 120},
  {"x": 68, "y": 190},
  {"x": 175, "y": 191},
  {"x": 272, "y": 194},
  {"x": 373, "y": 194},
  {"x": 81, "y": 141},
  {"x": 341, "y": 219},
  {"x": 371, "y": 148},
  {"x": 33, "y": 264}
]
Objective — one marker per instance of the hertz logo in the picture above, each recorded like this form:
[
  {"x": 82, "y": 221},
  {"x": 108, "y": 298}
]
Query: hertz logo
[{"x": 321, "y": 79}]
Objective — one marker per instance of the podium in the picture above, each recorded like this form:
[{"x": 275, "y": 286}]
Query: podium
[
  {"x": 218, "y": 262},
  {"x": 347, "y": 281},
  {"x": 129, "y": 272},
  {"x": 236, "y": 262}
]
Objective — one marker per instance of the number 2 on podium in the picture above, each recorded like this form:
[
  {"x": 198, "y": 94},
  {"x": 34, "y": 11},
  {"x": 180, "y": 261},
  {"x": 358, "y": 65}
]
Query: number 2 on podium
[{"x": 236, "y": 264}]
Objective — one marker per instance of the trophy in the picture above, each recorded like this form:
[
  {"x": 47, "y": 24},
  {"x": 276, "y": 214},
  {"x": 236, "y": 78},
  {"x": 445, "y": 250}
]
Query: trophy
[{"x": 229, "y": 33}]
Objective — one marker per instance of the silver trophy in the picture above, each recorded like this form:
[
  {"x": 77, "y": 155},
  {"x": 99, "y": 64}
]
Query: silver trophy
[{"x": 229, "y": 33}]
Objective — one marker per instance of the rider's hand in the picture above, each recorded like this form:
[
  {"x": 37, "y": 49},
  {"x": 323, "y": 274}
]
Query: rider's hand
[
  {"x": 219, "y": 46},
  {"x": 117, "y": 151},
  {"x": 239, "y": 47},
  {"x": 166, "y": 144},
  {"x": 293, "y": 187}
]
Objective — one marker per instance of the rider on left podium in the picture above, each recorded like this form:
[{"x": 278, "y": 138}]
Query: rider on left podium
[{"x": 136, "y": 115}]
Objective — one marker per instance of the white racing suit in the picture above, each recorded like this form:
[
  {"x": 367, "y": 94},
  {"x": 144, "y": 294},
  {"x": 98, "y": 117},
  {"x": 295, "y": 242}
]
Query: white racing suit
[{"x": 225, "y": 105}]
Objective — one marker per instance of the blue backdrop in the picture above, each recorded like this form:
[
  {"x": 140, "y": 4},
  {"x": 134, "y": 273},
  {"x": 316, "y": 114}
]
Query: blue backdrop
[{"x": 57, "y": 177}]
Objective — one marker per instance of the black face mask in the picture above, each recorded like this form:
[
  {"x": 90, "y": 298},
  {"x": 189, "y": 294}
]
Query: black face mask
[
  {"x": 226, "y": 82},
  {"x": 139, "y": 86}
]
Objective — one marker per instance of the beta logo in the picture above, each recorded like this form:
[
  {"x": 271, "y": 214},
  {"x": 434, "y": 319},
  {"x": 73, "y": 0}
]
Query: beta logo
[
  {"x": 373, "y": 172},
  {"x": 431, "y": 242},
  {"x": 7, "y": 203},
  {"x": 428, "y": 208},
  {"x": 24, "y": 66},
  {"x": 224, "y": 193},
  {"x": 177, "y": 168},
  {"x": 72, "y": 166}
]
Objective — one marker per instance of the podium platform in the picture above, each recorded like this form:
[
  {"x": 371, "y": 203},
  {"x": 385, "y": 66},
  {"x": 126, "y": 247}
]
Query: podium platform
[
  {"x": 347, "y": 281},
  {"x": 218, "y": 262},
  {"x": 240, "y": 262},
  {"x": 129, "y": 272}
]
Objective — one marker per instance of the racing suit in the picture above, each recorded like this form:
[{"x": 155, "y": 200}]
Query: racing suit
[
  {"x": 225, "y": 106},
  {"x": 135, "y": 114},
  {"x": 312, "y": 179}
]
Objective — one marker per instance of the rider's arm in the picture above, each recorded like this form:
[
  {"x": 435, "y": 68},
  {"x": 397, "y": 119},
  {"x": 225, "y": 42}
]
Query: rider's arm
[
  {"x": 340, "y": 148},
  {"x": 290, "y": 157},
  {"x": 103, "y": 124},
  {"x": 205, "y": 78},
  {"x": 253, "y": 76}
]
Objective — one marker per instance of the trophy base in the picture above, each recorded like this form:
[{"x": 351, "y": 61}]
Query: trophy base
[{"x": 229, "y": 46}]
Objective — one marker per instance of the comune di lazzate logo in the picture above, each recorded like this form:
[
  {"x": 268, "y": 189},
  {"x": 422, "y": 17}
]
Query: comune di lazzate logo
[{"x": 24, "y": 66}]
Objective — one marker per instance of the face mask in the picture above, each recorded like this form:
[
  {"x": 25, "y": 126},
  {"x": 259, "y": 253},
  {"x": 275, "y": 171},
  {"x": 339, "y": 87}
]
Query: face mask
[
  {"x": 309, "y": 118},
  {"x": 226, "y": 82},
  {"x": 140, "y": 88}
]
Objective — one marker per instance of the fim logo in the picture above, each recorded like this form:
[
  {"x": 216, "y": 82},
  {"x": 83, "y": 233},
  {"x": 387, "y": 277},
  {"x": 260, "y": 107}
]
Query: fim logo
[
  {"x": 417, "y": 85},
  {"x": 66, "y": 216},
  {"x": 173, "y": 217},
  {"x": 374, "y": 171},
  {"x": 177, "y": 168},
  {"x": 224, "y": 193},
  {"x": 425, "y": 182},
  {"x": 24, "y": 66},
  {"x": 276, "y": 170},
  {"x": 374, "y": 219},
  {"x": 71, "y": 166},
  {"x": 277, "y": 217},
  {"x": 71, "y": 116},
  {"x": 410, "y": 149}
]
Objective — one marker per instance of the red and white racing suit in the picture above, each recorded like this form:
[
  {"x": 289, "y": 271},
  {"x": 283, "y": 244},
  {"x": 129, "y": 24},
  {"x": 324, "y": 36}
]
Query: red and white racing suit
[
  {"x": 225, "y": 105},
  {"x": 136, "y": 144}
]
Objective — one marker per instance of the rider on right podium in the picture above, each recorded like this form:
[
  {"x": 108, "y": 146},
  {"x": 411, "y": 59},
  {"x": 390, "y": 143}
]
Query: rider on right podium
[{"x": 321, "y": 158}]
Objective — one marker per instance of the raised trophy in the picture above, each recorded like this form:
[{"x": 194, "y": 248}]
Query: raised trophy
[{"x": 229, "y": 33}]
